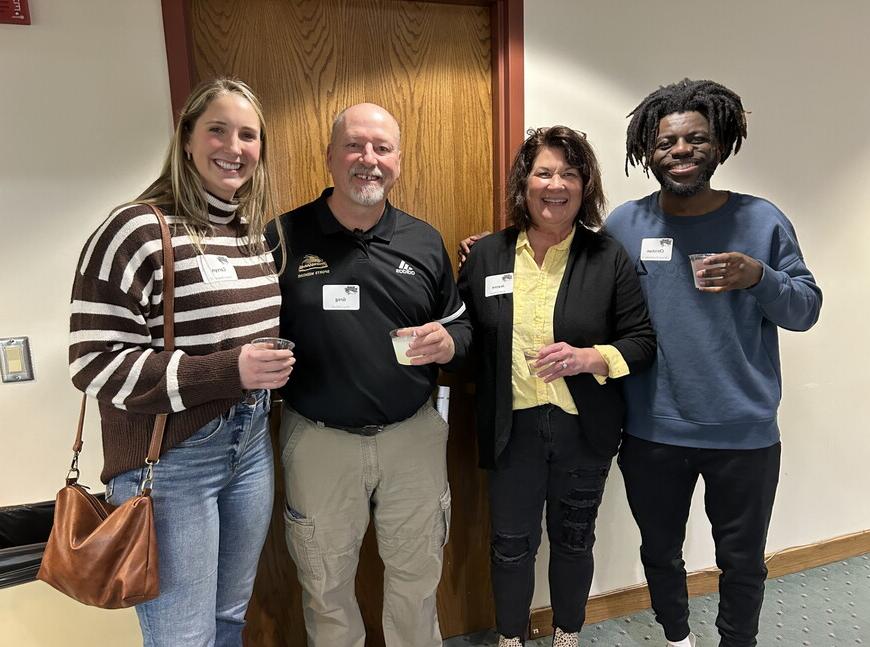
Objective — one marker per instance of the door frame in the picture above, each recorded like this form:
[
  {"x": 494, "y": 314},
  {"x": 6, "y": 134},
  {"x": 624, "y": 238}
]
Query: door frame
[{"x": 506, "y": 36}]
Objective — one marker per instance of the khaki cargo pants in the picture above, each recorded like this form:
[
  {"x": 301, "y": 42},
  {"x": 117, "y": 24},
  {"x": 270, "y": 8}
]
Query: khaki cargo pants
[{"x": 332, "y": 479}]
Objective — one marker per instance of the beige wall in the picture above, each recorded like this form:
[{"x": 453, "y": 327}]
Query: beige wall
[
  {"x": 84, "y": 100},
  {"x": 797, "y": 67}
]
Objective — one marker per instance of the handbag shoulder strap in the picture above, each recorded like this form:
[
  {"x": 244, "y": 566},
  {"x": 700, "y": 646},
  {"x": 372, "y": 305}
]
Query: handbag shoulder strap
[
  {"x": 168, "y": 325},
  {"x": 168, "y": 340}
]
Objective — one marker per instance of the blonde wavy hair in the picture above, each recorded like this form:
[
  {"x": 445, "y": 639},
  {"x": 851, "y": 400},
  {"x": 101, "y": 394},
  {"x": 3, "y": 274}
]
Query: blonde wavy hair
[{"x": 179, "y": 186}]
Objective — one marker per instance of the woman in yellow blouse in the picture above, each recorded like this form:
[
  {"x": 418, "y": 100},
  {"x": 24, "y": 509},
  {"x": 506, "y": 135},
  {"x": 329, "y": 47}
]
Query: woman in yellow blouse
[{"x": 558, "y": 315}]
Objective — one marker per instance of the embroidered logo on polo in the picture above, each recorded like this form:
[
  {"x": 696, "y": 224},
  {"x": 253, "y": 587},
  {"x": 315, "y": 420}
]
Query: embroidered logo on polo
[
  {"x": 404, "y": 268},
  {"x": 312, "y": 265}
]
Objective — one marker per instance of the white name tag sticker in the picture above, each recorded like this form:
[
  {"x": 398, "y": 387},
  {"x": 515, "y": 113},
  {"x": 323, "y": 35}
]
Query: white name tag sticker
[
  {"x": 341, "y": 297},
  {"x": 656, "y": 249},
  {"x": 499, "y": 284},
  {"x": 216, "y": 268}
]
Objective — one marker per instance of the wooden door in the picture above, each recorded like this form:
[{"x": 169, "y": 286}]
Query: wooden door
[{"x": 429, "y": 64}]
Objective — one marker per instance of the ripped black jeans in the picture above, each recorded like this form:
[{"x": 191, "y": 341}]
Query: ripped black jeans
[{"x": 546, "y": 460}]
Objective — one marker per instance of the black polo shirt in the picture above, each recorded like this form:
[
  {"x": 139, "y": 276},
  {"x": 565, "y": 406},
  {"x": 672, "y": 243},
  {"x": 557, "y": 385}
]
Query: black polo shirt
[{"x": 342, "y": 292}]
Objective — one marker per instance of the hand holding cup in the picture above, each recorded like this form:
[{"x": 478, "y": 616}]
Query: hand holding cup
[{"x": 266, "y": 363}]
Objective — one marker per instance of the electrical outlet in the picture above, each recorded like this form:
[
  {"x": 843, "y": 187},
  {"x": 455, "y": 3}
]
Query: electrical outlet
[{"x": 15, "y": 363}]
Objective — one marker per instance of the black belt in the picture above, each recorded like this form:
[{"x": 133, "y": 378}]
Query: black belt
[{"x": 366, "y": 430}]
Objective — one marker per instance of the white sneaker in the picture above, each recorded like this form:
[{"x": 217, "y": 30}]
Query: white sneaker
[
  {"x": 509, "y": 642},
  {"x": 561, "y": 639},
  {"x": 688, "y": 641}
]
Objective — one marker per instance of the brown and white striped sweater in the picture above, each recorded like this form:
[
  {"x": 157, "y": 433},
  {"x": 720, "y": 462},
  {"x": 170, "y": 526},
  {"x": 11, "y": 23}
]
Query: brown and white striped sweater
[{"x": 116, "y": 326}]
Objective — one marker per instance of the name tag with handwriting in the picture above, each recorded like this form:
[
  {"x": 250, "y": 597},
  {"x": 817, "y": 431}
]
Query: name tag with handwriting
[
  {"x": 341, "y": 297},
  {"x": 499, "y": 284},
  {"x": 656, "y": 249}
]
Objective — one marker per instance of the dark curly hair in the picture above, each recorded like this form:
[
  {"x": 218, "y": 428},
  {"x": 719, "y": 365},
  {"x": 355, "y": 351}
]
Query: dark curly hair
[
  {"x": 578, "y": 153},
  {"x": 719, "y": 105}
]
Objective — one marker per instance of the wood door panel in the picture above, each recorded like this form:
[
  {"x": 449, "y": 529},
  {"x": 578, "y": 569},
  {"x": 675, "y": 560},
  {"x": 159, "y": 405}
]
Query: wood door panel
[
  {"x": 429, "y": 64},
  {"x": 465, "y": 594},
  {"x": 274, "y": 616}
]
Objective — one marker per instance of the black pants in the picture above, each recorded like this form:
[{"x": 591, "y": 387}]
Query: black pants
[
  {"x": 546, "y": 460},
  {"x": 739, "y": 490}
]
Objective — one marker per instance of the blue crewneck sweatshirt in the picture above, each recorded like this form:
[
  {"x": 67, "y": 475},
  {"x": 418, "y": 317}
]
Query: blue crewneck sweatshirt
[{"x": 716, "y": 382}]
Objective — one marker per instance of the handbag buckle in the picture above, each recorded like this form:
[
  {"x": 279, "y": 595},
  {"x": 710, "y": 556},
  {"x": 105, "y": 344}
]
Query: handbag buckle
[
  {"x": 148, "y": 479},
  {"x": 72, "y": 476}
]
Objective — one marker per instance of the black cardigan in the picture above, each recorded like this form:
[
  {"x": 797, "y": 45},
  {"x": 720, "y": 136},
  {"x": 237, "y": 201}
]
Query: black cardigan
[{"x": 599, "y": 302}]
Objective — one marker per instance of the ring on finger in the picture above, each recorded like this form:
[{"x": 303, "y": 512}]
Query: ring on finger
[{"x": 564, "y": 366}]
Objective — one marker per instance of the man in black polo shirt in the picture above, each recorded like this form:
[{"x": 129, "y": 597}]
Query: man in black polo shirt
[{"x": 358, "y": 430}]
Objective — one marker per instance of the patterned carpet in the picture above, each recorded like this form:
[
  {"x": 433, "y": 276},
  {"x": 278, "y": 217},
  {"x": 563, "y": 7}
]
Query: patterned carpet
[{"x": 827, "y": 606}]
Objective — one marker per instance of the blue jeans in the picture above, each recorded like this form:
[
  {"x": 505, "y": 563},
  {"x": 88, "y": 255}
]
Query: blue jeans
[{"x": 212, "y": 505}]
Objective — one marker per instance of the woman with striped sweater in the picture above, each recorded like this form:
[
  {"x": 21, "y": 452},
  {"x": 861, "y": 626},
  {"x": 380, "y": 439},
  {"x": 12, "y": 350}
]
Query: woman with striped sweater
[{"x": 213, "y": 484}]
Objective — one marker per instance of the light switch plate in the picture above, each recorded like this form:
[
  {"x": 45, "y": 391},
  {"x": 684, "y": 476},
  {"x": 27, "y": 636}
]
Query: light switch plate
[{"x": 15, "y": 363}]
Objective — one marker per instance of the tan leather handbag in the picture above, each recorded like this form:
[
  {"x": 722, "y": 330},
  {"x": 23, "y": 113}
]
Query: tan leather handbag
[{"x": 99, "y": 554}]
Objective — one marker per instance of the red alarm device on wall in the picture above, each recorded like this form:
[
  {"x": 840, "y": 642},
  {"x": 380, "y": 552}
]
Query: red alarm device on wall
[{"x": 14, "y": 12}]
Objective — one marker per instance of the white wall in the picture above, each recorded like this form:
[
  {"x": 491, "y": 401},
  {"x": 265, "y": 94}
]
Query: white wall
[
  {"x": 797, "y": 67},
  {"x": 84, "y": 103}
]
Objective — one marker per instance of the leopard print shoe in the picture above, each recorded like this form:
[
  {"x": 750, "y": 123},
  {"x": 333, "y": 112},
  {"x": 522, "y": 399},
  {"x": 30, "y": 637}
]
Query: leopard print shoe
[
  {"x": 509, "y": 642},
  {"x": 562, "y": 639}
]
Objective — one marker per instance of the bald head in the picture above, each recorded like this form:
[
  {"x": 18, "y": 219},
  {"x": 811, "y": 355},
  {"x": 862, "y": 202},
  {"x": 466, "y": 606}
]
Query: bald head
[{"x": 365, "y": 114}]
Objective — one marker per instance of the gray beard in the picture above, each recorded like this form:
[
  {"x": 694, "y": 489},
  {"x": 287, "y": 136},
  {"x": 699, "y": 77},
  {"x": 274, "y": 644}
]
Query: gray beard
[{"x": 369, "y": 196}]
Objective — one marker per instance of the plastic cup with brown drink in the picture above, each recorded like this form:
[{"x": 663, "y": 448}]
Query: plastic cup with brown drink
[{"x": 697, "y": 261}]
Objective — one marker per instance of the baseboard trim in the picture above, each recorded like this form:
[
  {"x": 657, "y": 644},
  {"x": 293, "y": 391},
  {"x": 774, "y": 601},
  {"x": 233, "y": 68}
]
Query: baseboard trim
[{"x": 783, "y": 562}]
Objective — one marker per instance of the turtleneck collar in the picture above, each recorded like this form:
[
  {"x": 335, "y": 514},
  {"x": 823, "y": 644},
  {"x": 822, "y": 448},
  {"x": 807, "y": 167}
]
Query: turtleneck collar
[{"x": 220, "y": 212}]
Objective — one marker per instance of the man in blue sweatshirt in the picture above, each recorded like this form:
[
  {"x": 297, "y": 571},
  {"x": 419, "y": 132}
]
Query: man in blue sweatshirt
[{"x": 708, "y": 405}]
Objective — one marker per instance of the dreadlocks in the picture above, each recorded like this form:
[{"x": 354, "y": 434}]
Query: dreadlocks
[{"x": 719, "y": 105}]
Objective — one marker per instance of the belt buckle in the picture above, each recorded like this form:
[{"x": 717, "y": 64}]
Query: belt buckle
[{"x": 370, "y": 430}]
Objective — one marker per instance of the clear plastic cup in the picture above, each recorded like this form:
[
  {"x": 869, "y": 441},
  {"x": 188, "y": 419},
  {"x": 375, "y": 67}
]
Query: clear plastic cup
[
  {"x": 401, "y": 344},
  {"x": 274, "y": 343},
  {"x": 697, "y": 261},
  {"x": 531, "y": 356}
]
